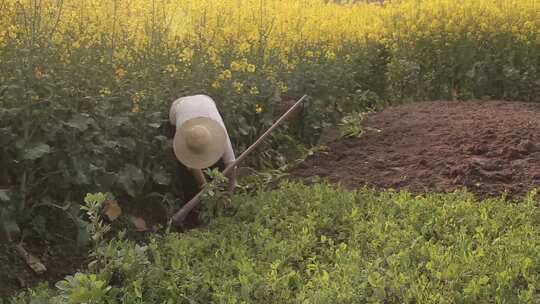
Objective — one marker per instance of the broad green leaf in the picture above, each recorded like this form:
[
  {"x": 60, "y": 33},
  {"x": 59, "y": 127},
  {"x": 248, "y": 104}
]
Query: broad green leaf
[
  {"x": 5, "y": 136},
  {"x": 11, "y": 227},
  {"x": 79, "y": 122},
  {"x": 37, "y": 151},
  {"x": 161, "y": 138},
  {"x": 110, "y": 144},
  {"x": 121, "y": 120},
  {"x": 160, "y": 176},
  {"x": 96, "y": 198},
  {"x": 8, "y": 225},
  {"x": 136, "y": 174},
  {"x": 83, "y": 235},
  {"x": 105, "y": 180},
  {"x": 81, "y": 178},
  {"x": 4, "y": 195},
  {"x": 131, "y": 178},
  {"x": 243, "y": 131},
  {"x": 127, "y": 143}
]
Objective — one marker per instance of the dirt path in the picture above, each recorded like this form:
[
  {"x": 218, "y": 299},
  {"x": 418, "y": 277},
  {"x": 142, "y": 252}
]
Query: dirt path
[{"x": 487, "y": 147}]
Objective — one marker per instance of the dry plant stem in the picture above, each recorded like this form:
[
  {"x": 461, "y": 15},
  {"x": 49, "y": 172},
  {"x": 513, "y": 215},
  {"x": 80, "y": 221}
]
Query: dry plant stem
[
  {"x": 33, "y": 262},
  {"x": 179, "y": 217},
  {"x": 232, "y": 181}
]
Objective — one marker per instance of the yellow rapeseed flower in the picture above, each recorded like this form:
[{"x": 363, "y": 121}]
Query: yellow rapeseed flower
[
  {"x": 12, "y": 32},
  {"x": 137, "y": 96},
  {"x": 227, "y": 74},
  {"x": 258, "y": 108},
  {"x": 187, "y": 54},
  {"x": 236, "y": 66},
  {"x": 330, "y": 55},
  {"x": 283, "y": 87},
  {"x": 120, "y": 72},
  {"x": 104, "y": 92},
  {"x": 171, "y": 69},
  {"x": 254, "y": 90},
  {"x": 238, "y": 86},
  {"x": 244, "y": 47}
]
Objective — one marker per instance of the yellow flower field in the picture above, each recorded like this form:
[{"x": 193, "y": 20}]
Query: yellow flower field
[
  {"x": 254, "y": 48},
  {"x": 231, "y": 39},
  {"x": 243, "y": 27}
]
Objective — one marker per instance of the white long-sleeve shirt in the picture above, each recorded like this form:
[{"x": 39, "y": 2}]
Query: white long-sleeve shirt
[{"x": 188, "y": 107}]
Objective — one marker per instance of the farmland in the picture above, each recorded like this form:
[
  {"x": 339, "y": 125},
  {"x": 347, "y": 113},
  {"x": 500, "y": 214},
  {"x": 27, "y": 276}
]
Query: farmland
[{"x": 85, "y": 87}]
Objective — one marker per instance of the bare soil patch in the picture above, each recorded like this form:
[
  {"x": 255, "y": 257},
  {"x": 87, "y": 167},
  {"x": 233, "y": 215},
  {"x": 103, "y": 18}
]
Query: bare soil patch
[{"x": 489, "y": 148}]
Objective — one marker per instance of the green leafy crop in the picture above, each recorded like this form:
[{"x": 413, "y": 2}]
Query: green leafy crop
[{"x": 322, "y": 244}]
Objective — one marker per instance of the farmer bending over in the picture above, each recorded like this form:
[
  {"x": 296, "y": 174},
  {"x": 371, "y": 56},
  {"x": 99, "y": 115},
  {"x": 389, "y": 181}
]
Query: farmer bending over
[{"x": 200, "y": 140}]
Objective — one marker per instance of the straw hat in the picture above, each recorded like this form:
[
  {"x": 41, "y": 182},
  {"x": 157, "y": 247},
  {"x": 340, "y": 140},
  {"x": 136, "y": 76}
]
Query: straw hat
[{"x": 199, "y": 142}]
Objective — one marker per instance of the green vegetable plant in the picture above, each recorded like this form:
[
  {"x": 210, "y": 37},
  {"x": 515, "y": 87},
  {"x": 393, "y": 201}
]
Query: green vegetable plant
[
  {"x": 82, "y": 288},
  {"x": 351, "y": 125},
  {"x": 322, "y": 244},
  {"x": 95, "y": 227}
]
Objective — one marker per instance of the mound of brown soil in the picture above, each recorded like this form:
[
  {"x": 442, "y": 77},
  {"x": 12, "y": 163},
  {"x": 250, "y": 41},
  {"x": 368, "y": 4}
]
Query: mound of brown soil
[{"x": 489, "y": 148}]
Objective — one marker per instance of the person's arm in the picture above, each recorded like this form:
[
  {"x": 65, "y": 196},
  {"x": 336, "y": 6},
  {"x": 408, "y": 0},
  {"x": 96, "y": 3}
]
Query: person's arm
[
  {"x": 199, "y": 177},
  {"x": 229, "y": 159},
  {"x": 232, "y": 179}
]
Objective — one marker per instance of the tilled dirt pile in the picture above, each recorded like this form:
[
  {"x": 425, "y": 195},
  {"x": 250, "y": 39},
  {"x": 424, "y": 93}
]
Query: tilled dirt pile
[{"x": 489, "y": 148}]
